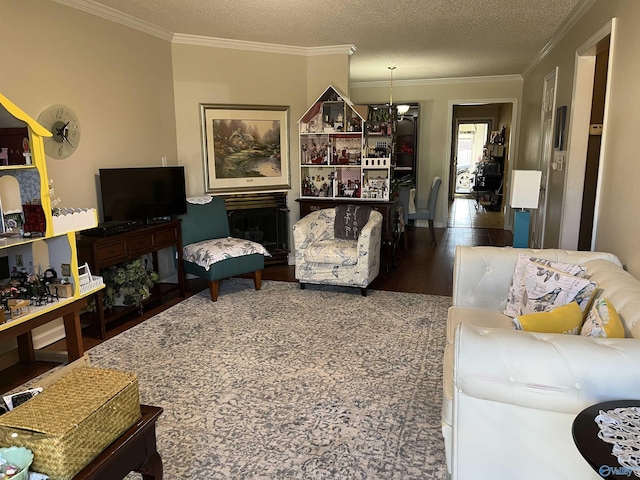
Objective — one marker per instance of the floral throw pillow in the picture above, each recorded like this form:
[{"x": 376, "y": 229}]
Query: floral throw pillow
[
  {"x": 208, "y": 252},
  {"x": 516, "y": 289},
  {"x": 546, "y": 288},
  {"x": 603, "y": 321}
]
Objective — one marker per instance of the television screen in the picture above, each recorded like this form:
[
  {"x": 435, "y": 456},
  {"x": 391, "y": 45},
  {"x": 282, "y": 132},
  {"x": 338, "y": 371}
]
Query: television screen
[{"x": 142, "y": 193}]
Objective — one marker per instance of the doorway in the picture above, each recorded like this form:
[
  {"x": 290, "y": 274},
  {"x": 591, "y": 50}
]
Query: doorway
[
  {"x": 470, "y": 140},
  {"x": 587, "y": 139},
  {"x": 472, "y": 125},
  {"x": 594, "y": 146}
]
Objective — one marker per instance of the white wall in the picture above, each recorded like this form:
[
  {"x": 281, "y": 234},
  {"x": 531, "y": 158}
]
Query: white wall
[
  {"x": 618, "y": 226},
  {"x": 116, "y": 79}
]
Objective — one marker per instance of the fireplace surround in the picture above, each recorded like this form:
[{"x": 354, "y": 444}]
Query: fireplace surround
[{"x": 262, "y": 218}]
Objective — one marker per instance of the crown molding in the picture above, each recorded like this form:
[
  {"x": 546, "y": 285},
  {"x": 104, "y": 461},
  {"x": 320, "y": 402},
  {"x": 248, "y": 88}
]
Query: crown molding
[
  {"x": 436, "y": 81},
  {"x": 183, "y": 38},
  {"x": 109, "y": 13},
  {"x": 331, "y": 50},
  {"x": 113, "y": 15},
  {"x": 560, "y": 33}
]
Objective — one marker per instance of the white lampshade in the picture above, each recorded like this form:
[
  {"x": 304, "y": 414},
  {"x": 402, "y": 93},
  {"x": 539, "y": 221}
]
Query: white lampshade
[{"x": 525, "y": 188}]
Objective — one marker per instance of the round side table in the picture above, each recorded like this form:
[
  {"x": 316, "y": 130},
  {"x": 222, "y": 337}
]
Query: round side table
[{"x": 594, "y": 450}]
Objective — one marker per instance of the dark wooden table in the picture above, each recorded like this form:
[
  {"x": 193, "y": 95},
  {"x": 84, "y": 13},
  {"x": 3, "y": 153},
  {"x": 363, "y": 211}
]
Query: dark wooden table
[
  {"x": 103, "y": 252},
  {"x": 594, "y": 450},
  {"x": 134, "y": 451},
  {"x": 21, "y": 330}
]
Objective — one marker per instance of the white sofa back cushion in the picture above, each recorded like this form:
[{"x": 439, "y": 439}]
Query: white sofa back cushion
[{"x": 486, "y": 282}]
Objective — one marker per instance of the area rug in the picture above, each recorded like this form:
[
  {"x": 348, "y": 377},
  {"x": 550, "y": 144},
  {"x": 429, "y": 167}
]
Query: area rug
[{"x": 284, "y": 383}]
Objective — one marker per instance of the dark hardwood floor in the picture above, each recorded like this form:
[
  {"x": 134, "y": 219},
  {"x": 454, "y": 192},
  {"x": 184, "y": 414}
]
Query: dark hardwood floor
[{"x": 421, "y": 268}]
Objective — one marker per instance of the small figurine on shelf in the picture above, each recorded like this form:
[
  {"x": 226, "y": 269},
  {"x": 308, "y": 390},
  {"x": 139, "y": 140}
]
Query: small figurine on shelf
[
  {"x": 50, "y": 275},
  {"x": 26, "y": 152}
]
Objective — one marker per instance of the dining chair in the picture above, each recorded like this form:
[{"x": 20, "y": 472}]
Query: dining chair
[{"x": 410, "y": 212}]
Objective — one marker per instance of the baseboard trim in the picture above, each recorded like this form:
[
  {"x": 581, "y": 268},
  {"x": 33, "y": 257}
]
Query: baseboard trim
[
  {"x": 9, "y": 358},
  {"x": 48, "y": 337}
]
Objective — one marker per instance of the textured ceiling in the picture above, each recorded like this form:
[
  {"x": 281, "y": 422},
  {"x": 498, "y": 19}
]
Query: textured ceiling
[{"x": 424, "y": 39}]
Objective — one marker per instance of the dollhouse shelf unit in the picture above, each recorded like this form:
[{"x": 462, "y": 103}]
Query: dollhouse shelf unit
[
  {"x": 334, "y": 160},
  {"x": 51, "y": 248}
]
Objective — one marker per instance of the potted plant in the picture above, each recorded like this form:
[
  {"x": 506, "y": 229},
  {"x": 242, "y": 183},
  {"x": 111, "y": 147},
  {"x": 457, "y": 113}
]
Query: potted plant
[{"x": 127, "y": 284}]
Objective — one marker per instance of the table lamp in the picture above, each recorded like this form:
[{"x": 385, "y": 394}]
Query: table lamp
[{"x": 525, "y": 191}]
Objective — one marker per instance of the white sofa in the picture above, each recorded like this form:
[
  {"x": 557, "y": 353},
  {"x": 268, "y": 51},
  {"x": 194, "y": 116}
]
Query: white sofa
[{"x": 510, "y": 396}]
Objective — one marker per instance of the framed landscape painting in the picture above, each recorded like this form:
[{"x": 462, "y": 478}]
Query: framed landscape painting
[{"x": 245, "y": 147}]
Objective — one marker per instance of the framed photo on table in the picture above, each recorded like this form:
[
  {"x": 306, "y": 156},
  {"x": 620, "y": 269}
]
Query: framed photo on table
[{"x": 245, "y": 148}]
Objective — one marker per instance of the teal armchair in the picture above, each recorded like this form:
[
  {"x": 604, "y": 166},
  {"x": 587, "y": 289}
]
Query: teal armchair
[{"x": 207, "y": 224}]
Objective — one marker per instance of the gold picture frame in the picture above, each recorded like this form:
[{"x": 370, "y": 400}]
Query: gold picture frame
[{"x": 245, "y": 148}]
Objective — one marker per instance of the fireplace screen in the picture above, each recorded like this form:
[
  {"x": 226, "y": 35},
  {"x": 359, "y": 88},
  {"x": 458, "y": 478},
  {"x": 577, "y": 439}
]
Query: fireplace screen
[{"x": 261, "y": 218}]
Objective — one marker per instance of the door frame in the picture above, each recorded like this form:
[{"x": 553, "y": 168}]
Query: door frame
[
  {"x": 583, "y": 80},
  {"x": 545, "y": 157},
  {"x": 512, "y": 151}
]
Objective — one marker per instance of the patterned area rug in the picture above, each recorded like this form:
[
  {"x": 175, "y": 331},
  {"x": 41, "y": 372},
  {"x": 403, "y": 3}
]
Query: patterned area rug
[{"x": 284, "y": 383}]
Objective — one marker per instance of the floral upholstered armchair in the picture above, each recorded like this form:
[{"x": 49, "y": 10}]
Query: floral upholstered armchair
[{"x": 321, "y": 258}]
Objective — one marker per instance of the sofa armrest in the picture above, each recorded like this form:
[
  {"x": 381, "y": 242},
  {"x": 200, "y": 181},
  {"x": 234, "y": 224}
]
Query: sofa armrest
[
  {"x": 554, "y": 372},
  {"x": 370, "y": 235}
]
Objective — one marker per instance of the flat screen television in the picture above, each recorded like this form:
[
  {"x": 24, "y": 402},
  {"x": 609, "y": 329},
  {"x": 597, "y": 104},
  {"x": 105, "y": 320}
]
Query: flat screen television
[{"x": 142, "y": 193}]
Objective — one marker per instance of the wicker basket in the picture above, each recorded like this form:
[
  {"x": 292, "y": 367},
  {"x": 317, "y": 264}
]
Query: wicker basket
[{"x": 72, "y": 421}]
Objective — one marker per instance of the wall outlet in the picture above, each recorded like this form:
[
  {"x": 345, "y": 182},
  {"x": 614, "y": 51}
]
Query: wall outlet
[
  {"x": 164, "y": 161},
  {"x": 595, "y": 129}
]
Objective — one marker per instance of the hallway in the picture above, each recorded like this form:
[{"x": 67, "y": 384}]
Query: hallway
[{"x": 463, "y": 213}]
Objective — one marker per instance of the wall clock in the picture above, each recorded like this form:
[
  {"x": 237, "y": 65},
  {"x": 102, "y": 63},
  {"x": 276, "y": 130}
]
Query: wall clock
[{"x": 63, "y": 123}]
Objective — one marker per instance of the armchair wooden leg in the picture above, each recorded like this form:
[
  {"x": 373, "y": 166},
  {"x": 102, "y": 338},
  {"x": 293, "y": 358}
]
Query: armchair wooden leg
[
  {"x": 213, "y": 290},
  {"x": 432, "y": 232},
  {"x": 257, "y": 279},
  {"x": 363, "y": 292}
]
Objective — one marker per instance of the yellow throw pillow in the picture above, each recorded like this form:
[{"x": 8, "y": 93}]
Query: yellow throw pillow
[
  {"x": 563, "y": 319},
  {"x": 603, "y": 321}
]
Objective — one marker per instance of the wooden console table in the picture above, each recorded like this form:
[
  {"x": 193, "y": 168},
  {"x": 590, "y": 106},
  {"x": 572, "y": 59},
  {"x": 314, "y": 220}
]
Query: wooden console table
[
  {"x": 102, "y": 252},
  {"x": 134, "y": 451},
  {"x": 386, "y": 207}
]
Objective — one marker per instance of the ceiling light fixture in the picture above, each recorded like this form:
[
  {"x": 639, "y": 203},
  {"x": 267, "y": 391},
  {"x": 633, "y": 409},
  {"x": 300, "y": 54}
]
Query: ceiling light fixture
[
  {"x": 391, "y": 69},
  {"x": 402, "y": 109}
]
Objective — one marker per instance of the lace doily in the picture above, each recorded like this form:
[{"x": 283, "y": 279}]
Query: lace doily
[
  {"x": 200, "y": 200},
  {"x": 621, "y": 428}
]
